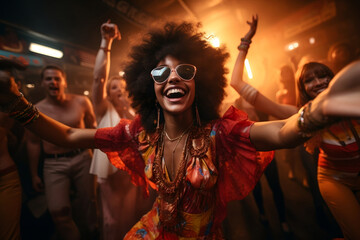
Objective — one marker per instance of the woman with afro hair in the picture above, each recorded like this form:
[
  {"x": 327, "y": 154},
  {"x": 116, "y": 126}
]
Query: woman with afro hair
[{"x": 178, "y": 144}]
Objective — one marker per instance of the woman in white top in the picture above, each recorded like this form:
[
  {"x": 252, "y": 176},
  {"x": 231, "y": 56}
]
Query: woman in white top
[{"x": 122, "y": 203}]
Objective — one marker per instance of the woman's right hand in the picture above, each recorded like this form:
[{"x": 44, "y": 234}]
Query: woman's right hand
[{"x": 110, "y": 31}]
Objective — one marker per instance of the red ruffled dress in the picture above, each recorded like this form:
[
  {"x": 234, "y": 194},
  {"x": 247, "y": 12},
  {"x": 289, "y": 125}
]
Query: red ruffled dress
[{"x": 222, "y": 166}]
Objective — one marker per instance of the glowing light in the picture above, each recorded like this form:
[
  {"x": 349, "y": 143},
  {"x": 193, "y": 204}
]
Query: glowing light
[
  {"x": 121, "y": 73},
  {"x": 312, "y": 40},
  {"x": 30, "y": 85},
  {"x": 292, "y": 46},
  {"x": 44, "y": 50},
  {"x": 213, "y": 40},
  {"x": 86, "y": 93},
  {"x": 248, "y": 69}
]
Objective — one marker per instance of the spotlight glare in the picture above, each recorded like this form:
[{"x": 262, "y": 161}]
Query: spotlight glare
[
  {"x": 44, "y": 50},
  {"x": 248, "y": 69}
]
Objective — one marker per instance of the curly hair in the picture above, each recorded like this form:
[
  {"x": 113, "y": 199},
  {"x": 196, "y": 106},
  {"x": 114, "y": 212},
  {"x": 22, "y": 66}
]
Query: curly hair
[
  {"x": 185, "y": 42},
  {"x": 319, "y": 70}
]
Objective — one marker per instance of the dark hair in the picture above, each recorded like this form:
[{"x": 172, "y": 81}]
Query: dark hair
[
  {"x": 184, "y": 42},
  {"x": 319, "y": 70},
  {"x": 52, "y": 67}
]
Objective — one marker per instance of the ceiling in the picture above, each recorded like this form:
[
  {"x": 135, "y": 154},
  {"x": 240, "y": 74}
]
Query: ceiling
[{"x": 78, "y": 21}]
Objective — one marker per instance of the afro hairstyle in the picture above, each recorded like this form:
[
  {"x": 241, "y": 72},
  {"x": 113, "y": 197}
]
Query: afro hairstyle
[{"x": 186, "y": 43}]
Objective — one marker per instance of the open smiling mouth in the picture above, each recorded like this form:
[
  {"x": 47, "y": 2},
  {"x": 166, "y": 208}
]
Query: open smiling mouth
[
  {"x": 54, "y": 88},
  {"x": 175, "y": 93}
]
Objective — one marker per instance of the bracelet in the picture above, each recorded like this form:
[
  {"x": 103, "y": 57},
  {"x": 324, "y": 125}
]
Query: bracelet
[
  {"x": 26, "y": 116},
  {"x": 243, "y": 47},
  {"x": 246, "y": 40},
  {"x": 13, "y": 104},
  {"x": 105, "y": 49},
  {"x": 307, "y": 124},
  {"x": 301, "y": 123},
  {"x": 249, "y": 93}
]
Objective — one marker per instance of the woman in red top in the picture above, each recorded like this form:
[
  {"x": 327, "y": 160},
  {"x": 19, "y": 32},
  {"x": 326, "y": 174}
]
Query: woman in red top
[{"x": 178, "y": 144}]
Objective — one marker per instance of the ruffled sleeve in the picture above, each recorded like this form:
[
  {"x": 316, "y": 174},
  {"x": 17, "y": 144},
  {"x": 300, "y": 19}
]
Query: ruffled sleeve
[
  {"x": 121, "y": 146},
  {"x": 240, "y": 165}
]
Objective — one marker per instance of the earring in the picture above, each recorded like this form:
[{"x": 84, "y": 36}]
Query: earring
[
  {"x": 158, "y": 117},
  {"x": 197, "y": 116}
]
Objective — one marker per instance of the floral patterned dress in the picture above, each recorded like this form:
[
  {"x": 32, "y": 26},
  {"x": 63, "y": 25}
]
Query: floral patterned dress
[{"x": 220, "y": 164}]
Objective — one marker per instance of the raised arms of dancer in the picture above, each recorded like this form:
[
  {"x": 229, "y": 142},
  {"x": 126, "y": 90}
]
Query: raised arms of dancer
[
  {"x": 109, "y": 32},
  {"x": 250, "y": 94}
]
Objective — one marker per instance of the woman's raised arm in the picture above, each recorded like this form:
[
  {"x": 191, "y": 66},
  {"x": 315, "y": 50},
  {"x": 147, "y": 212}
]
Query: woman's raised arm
[
  {"x": 109, "y": 32},
  {"x": 249, "y": 93}
]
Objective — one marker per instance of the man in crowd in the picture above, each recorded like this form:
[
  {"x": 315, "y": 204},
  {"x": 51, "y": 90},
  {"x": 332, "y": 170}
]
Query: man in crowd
[{"x": 69, "y": 188}]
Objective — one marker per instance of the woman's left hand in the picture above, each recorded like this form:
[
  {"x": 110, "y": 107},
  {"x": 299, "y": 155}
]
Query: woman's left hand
[{"x": 253, "y": 26}]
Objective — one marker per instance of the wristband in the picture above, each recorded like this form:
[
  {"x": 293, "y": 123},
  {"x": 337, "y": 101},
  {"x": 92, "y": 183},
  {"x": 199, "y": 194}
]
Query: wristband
[{"x": 105, "y": 49}]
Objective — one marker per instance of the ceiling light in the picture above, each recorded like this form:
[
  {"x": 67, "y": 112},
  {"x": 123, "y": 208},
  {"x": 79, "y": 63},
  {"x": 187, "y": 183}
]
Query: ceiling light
[
  {"x": 312, "y": 40},
  {"x": 44, "y": 50},
  {"x": 292, "y": 46}
]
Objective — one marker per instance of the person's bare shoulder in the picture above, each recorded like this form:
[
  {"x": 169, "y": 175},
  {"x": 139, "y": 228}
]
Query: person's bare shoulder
[
  {"x": 82, "y": 100},
  {"x": 42, "y": 105}
]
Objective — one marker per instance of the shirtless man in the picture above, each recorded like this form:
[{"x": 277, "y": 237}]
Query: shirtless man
[{"x": 64, "y": 168}]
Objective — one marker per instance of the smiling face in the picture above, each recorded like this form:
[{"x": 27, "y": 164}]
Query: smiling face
[
  {"x": 54, "y": 83},
  {"x": 313, "y": 79},
  {"x": 175, "y": 96},
  {"x": 116, "y": 91},
  {"x": 315, "y": 84}
]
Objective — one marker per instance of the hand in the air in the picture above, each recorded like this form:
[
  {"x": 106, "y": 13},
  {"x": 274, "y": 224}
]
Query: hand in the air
[
  {"x": 253, "y": 26},
  {"x": 110, "y": 31}
]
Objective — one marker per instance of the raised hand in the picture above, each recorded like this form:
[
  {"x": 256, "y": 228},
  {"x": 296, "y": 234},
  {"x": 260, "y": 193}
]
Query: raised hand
[
  {"x": 110, "y": 31},
  {"x": 8, "y": 89},
  {"x": 253, "y": 26}
]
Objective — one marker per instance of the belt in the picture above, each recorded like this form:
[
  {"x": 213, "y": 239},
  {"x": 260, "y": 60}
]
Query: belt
[{"x": 66, "y": 154}]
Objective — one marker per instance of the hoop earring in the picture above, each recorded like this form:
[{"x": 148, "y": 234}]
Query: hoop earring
[{"x": 198, "y": 121}]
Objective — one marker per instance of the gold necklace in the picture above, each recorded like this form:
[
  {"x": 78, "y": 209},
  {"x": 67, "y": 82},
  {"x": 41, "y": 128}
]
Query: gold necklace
[
  {"x": 174, "y": 149},
  {"x": 176, "y": 138}
]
